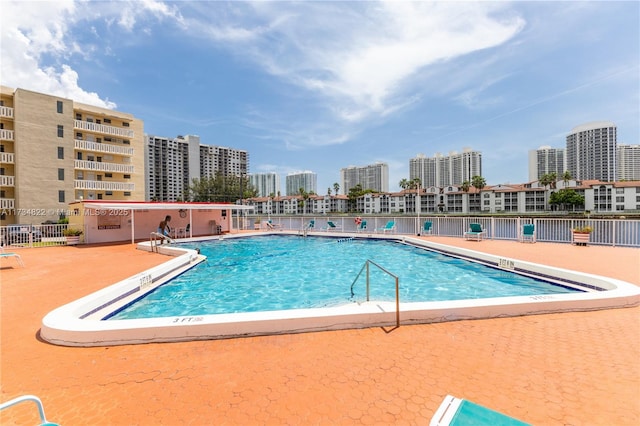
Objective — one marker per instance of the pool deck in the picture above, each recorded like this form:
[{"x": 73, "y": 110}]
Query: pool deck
[{"x": 579, "y": 368}]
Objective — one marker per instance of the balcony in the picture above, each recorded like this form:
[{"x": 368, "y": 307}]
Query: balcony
[
  {"x": 7, "y": 180},
  {"x": 103, "y": 147},
  {"x": 7, "y": 157},
  {"x": 7, "y": 203},
  {"x": 6, "y": 135},
  {"x": 99, "y": 185},
  {"x": 102, "y": 167},
  {"x": 103, "y": 128},
  {"x": 6, "y": 112}
]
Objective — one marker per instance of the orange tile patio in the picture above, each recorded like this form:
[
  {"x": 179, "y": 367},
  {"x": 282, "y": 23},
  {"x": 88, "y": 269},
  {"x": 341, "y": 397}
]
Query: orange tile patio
[{"x": 579, "y": 368}]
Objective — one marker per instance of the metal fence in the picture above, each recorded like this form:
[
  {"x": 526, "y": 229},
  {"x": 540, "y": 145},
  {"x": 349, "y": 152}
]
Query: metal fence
[
  {"x": 16, "y": 236},
  {"x": 612, "y": 232}
]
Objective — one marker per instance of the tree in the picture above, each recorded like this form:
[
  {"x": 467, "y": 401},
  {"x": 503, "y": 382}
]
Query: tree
[
  {"x": 566, "y": 177},
  {"x": 465, "y": 186},
  {"x": 404, "y": 184},
  {"x": 478, "y": 182},
  {"x": 221, "y": 188},
  {"x": 329, "y": 191},
  {"x": 566, "y": 197},
  {"x": 336, "y": 187}
]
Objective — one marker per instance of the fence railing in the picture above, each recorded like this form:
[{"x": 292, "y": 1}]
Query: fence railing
[{"x": 612, "y": 232}]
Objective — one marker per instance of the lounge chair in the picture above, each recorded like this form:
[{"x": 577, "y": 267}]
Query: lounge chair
[
  {"x": 528, "y": 233},
  {"x": 36, "y": 400},
  {"x": 475, "y": 232},
  {"x": 332, "y": 226},
  {"x": 16, "y": 256},
  {"x": 455, "y": 411},
  {"x": 311, "y": 225},
  {"x": 426, "y": 228},
  {"x": 273, "y": 226},
  {"x": 389, "y": 227},
  {"x": 362, "y": 226}
]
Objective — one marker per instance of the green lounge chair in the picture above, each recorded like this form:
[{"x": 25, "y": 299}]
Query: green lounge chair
[
  {"x": 331, "y": 226},
  {"x": 459, "y": 412},
  {"x": 362, "y": 226},
  {"x": 426, "y": 228},
  {"x": 16, "y": 256},
  {"x": 475, "y": 232},
  {"x": 389, "y": 227},
  {"x": 528, "y": 233}
]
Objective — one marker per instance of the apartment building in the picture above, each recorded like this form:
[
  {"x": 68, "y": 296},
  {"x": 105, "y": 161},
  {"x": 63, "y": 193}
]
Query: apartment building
[
  {"x": 373, "y": 176},
  {"x": 306, "y": 180},
  {"x": 265, "y": 183},
  {"x": 628, "y": 162},
  {"x": 54, "y": 151},
  {"x": 591, "y": 151},
  {"x": 441, "y": 170},
  {"x": 172, "y": 164},
  {"x": 546, "y": 160}
]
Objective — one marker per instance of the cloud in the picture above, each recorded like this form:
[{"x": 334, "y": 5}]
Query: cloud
[
  {"x": 38, "y": 42},
  {"x": 360, "y": 57}
]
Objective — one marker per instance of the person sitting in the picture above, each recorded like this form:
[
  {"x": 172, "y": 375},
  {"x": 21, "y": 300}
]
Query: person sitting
[{"x": 164, "y": 228}]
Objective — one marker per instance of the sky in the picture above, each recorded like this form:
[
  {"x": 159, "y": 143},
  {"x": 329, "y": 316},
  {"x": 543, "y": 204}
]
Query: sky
[{"x": 319, "y": 86}]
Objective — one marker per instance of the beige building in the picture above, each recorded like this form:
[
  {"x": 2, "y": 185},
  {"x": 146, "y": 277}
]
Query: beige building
[{"x": 54, "y": 151}]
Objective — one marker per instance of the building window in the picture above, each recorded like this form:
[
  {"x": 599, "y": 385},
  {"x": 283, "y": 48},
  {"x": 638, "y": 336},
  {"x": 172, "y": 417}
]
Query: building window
[
  {"x": 59, "y": 107},
  {"x": 620, "y": 199},
  {"x": 61, "y": 196},
  {"x": 127, "y": 176},
  {"x": 107, "y": 121},
  {"x": 60, "y": 153},
  {"x": 99, "y": 196},
  {"x": 78, "y": 116},
  {"x": 128, "y": 194},
  {"x": 125, "y": 124},
  {"x": 60, "y": 131},
  {"x": 60, "y": 174},
  {"x": 108, "y": 175},
  {"x": 108, "y": 193}
]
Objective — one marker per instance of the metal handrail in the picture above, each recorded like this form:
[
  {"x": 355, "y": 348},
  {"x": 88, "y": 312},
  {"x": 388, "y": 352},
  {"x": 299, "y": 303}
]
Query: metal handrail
[
  {"x": 154, "y": 236},
  {"x": 366, "y": 265}
]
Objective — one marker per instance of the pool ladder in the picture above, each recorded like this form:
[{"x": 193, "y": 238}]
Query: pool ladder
[
  {"x": 155, "y": 237},
  {"x": 397, "y": 280}
]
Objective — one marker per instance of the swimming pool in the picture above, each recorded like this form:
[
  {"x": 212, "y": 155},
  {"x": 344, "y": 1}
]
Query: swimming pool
[
  {"x": 80, "y": 323},
  {"x": 278, "y": 272}
]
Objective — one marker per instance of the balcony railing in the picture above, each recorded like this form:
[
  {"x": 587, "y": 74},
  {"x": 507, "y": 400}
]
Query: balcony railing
[
  {"x": 103, "y": 128},
  {"x": 7, "y": 203},
  {"x": 99, "y": 185},
  {"x": 7, "y": 157},
  {"x": 6, "y": 135},
  {"x": 103, "y": 147},
  {"x": 103, "y": 167},
  {"x": 7, "y": 180},
  {"x": 6, "y": 112}
]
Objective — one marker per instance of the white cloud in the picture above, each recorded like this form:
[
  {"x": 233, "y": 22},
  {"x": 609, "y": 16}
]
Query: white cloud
[
  {"x": 360, "y": 56},
  {"x": 37, "y": 42}
]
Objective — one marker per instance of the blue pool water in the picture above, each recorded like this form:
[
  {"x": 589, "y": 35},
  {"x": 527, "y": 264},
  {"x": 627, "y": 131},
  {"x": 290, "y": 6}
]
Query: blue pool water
[{"x": 289, "y": 272}]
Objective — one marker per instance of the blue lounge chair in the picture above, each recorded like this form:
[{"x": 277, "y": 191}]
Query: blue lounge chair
[
  {"x": 362, "y": 226},
  {"x": 475, "y": 232},
  {"x": 36, "y": 400},
  {"x": 332, "y": 226},
  {"x": 311, "y": 225},
  {"x": 270, "y": 225},
  {"x": 458, "y": 412},
  {"x": 389, "y": 227},
  {"x": 528, "y": 233},
  {"x": 426, "y": 228},
  {"x": 16, "y": 256}
]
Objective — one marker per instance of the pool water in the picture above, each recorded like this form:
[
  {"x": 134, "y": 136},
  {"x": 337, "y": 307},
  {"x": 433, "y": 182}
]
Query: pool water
[{"x": 279, "y": 272}]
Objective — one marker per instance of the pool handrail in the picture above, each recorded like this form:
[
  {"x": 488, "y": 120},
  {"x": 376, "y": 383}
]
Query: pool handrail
[{"x": 366, "y": 265}]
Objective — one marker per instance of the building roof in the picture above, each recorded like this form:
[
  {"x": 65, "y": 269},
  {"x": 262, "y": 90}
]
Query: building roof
[{"x": 146, "y": 205}]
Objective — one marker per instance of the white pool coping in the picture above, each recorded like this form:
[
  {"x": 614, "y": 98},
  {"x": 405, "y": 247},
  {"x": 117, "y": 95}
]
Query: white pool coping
[{"x": 79, "y": 323}]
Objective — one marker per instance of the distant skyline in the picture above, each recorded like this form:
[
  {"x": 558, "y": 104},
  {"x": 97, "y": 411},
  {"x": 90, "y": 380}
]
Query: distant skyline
[{"x": 321, "y": 86}]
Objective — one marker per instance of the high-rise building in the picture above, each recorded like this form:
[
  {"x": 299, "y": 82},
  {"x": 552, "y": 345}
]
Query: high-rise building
[
  {"x": 374, "y": 176},
  {"x": 628, "y": 162},
  {"x": 546, "y": 160},
  {"x": 265, "y": 183},
  {"x": 54, "y": 151},
  {"x": 591, "y": 151},
  {"x": 173, "y": 163},
  {"x": 306, "y": 180},
  {"x": 441, "y": 170}
]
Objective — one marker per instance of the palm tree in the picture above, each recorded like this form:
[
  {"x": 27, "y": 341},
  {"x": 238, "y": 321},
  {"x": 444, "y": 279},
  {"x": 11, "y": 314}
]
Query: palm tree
[
  {"x": 336, "y": 187},
  {"x": 404, "y": 184},
  {"x": 465, "y": 186},
  {"x": 478, "y": 182},
  {"x": 566, "y": 177}
]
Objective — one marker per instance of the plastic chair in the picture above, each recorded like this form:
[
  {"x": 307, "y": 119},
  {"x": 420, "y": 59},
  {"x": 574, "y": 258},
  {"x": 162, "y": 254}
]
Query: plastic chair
[{"x": 528, "y": 233}]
